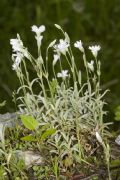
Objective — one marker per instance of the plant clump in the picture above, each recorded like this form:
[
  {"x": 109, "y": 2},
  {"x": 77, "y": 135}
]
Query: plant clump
[{"x": 62, "y": 112}]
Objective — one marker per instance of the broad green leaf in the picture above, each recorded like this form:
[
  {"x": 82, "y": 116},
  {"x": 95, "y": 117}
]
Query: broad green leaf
[
  {"x": 47, "y": 133},
  {"x": 29, "y": 122},
  {"x": 29, "y": 138}
]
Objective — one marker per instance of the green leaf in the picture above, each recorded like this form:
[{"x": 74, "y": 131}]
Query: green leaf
[
  {"x": 29, "y": 122},
  {"x": 117, "y": 114},
  {"x": 47, "y": 133},
  {"x": 53, "y": 85},
  {"x": 68, "y": 161},
  {"x": 29, "y": 138},
  {"x": 2, "y": 104},
  {"x": 115, "y": 163}
]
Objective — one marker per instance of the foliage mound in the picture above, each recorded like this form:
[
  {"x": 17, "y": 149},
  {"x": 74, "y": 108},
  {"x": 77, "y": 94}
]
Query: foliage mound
[{"x": 61, "y": 110}]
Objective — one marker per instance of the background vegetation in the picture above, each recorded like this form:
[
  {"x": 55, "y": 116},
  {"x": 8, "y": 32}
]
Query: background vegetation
[{"x": 92, "y": 21}]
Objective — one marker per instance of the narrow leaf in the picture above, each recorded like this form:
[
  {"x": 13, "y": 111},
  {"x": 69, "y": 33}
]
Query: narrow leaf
[{"x": 57, "y": 26}]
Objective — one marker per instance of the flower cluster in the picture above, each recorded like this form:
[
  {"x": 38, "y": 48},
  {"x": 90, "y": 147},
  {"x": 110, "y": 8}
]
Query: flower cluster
[
  {"x": 94, "y": 49},
  {"x": 19, "y": 51}
]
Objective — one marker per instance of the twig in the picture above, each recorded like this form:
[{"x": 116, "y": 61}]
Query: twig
[{"x": 87, "y": 178}]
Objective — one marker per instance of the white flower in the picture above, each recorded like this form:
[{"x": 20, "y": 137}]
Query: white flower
[
  {"x": 39, "y": 39},
  {"x": 56, "y": 58},
  {"x": 94, "y": 50},
  {"x": 17, "y": 58},
  {"x": 17, "y": 44},
  {"x": 91, "y": 65},
  {"x": 15, "y": 67},
  {"x": 78, "y": 44},
  {"x": 38, "y": 30},
  {"x": 99, "y": 138},
  {"x": 62, "y": 47},
  {"x": 63, "y": 74}
]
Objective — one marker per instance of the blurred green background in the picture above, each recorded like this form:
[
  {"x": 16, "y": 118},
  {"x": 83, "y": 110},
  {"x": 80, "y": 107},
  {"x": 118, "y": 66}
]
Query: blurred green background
[{"x": 92, "y": 21}]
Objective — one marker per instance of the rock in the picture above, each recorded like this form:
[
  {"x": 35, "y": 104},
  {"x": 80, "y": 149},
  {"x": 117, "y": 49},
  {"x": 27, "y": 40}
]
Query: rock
[
  {"x": 30, "y": 158},
  {"x": 117, "y": 140},
  {"x": 9, "y": 119}
]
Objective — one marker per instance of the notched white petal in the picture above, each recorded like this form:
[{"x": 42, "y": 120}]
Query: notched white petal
[
  {"x": 94, "y": 50},
  {"x": 78, "y": 44}
]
